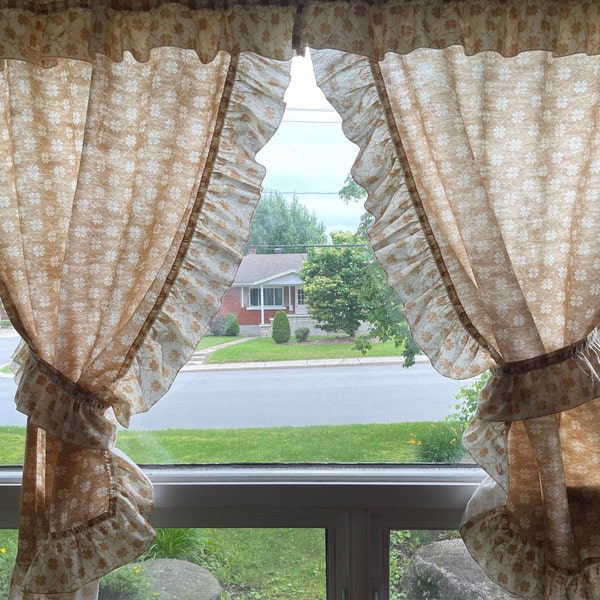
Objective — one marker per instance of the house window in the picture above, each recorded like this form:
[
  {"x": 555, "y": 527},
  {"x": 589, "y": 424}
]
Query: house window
[
  {"x": 301, "y": 297},
  {"x": 272, "y": 296}
]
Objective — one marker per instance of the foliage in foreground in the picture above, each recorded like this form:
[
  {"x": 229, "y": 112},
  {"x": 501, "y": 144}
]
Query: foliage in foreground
[
  {"x": 128, "y": 581},
  {"x": 8, "y": 555},
  {"x": 403, "y": 544},
  {"x": 442, "y": 442}
]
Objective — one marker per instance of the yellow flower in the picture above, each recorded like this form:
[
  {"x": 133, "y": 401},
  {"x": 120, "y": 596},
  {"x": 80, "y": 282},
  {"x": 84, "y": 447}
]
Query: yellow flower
[
  {"x": 156, "y": 594},
  {"x": 412, "y": 441},
  {"x": 2, "y": 550}
]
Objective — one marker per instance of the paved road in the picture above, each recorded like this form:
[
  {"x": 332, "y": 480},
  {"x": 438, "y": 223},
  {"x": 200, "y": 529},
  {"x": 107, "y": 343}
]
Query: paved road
[
  {"x": 283, "y": 397},
  {"x": 308, "y": 396}
]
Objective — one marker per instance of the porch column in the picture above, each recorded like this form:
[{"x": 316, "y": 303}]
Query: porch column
[{"x": 262, "y": 304}]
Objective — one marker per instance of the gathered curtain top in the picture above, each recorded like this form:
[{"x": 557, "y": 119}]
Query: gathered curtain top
[{"x": 42, "y": 31}]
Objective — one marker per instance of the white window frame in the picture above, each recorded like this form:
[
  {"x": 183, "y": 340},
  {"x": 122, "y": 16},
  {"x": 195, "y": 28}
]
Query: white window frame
[
  {"x": 264, "y": 290},
  {"x": 299, "y": 291},
  {"x": 357, "y": 505}
]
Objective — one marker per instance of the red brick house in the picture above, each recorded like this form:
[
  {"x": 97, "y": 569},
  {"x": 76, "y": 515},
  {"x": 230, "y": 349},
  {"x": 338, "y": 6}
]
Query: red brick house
[{"x": 264, "y": 284}]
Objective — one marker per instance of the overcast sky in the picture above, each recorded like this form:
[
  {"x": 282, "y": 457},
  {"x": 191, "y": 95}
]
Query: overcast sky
[{"x": 309, "y": 154}]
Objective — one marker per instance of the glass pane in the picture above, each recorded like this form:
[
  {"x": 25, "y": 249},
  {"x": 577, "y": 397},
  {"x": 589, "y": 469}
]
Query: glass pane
[
  {"x": 326, "y": 394},
  {"x": 243, "y": 564},
  {"x": 435, "y": 564},
  {"x": 240, "y": 564}
]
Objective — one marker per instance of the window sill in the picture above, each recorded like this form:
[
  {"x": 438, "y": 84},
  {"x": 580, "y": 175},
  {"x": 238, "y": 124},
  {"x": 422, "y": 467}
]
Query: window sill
[
  {"x": 266, "y": 307},
  {"x": 411, "y": 497}
]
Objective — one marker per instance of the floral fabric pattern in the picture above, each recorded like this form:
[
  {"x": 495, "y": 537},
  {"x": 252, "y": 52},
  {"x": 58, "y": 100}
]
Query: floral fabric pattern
[
  {"x": 483, "y": 191},
  {"x": 507, "y": 27},
  {"x": 126, "y": 193},
  {"x": 127, "y": 185}
]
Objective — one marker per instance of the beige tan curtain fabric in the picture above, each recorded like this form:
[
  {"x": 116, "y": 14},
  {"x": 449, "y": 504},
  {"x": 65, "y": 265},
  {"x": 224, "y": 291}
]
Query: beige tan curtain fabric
[
  {"x": 128, "y": 134},
  {"x": 483, "y": 174},
  {"x": 374, "y": 27},
  {"x": 125, "y": 193}
]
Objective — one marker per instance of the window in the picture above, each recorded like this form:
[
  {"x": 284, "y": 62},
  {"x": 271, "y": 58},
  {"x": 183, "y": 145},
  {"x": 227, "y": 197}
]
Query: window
[
  {"x": 348, "y": 503},
  {"x": 272, "y": 296}
]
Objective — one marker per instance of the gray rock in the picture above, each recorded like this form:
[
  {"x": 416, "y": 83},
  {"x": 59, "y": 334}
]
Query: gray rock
[
  {"x": 446, "y": 571},
  {"x": 180, "y": 580}
]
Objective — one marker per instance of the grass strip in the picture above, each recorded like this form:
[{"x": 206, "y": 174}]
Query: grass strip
[
  {"x": 326, "y": 443},
  {"x": 208, "y": 341},
  {"x": 265, "y": 349}
]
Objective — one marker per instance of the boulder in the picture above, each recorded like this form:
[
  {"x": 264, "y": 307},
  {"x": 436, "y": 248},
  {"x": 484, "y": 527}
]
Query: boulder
[
  {"x": 175, "y": 579},
  {"x": 446, "y": 571}
]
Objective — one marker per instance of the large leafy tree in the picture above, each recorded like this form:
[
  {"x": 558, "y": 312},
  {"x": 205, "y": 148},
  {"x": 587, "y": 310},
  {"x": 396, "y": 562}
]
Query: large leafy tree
[
  {"x": 286, "y": 224},
  {"x": 333, "y": 279},
  {"x": 354, "y": 273},
  {"x": 385, "y": 316}
]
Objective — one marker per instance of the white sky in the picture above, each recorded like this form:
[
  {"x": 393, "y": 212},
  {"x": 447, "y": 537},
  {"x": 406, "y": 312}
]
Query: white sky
[{"x": 309, "y": 153}]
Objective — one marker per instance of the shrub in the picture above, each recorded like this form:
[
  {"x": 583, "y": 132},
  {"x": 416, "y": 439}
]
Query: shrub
[
  {"x": 182, "y": 543},
  {"x": 301, "y": 334},
  {"x": 232, "y": 326},
  {"x": 217, "y": 325},
  {"x": 281, "y": 328},
  {"x": 441, "y": 443},
  {"x": 129, "y": 582},
  {"x": 469, "y": 396},
  {"x": 8, "y": 555}
]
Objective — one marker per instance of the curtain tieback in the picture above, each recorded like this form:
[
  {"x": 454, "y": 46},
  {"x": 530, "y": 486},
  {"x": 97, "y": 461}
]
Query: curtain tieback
[
  {"x": 62, "y": 407},
  {"x": 543, "y": 385},
  {"x": 73, "y": 389},
  {"x": 547, "y": 360}
]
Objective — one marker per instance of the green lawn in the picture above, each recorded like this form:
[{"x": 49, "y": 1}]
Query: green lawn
[
  {"x": 265, "y": 349},
  {"x": 214, "y": 340},
  {"x": 341, "y": 443}
]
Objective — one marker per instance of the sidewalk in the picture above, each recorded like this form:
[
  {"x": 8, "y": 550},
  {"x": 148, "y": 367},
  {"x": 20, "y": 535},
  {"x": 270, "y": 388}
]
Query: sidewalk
[{"x": 197, "y": 362}]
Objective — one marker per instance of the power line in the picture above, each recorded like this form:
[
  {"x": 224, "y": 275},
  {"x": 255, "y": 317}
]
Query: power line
[
  {"x": 275, "y": 246},
  {"x": 302, "y": 193},
  {"x": 323, "y": 110},
  {"x": 312, "y": 122}
]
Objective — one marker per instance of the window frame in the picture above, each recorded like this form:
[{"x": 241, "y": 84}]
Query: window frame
[
  {"x": 356, "y": 504},
  {"x": 300, "y": 296},
  {"x": 265, "y": 290}
]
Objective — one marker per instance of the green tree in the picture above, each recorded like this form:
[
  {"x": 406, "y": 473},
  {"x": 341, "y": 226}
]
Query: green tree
[
  {"x": 278, "y": 222},
  {"x": 333, "y": 278},
  {"x": 352, "y": 191},
  {"x": 386, "y": 321}
]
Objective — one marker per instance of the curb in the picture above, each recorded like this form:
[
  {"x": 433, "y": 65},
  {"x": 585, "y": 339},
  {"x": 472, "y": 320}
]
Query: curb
[{"x": 197, "y": 365}]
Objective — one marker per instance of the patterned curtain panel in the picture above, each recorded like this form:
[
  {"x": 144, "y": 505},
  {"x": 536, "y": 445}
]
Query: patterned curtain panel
[
  {"x": 128, "y": 135},
  {"x": 126, "y": 189},
  {"x": 483, "y": 174}
]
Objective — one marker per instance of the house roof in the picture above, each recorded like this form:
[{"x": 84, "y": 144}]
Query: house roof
[{"x": 260, "y": 268}]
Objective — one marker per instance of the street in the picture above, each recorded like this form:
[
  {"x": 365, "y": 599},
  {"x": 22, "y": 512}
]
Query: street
[
  {"x": 283, "y": 397},
  {"x": 298, "y": 397}
]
